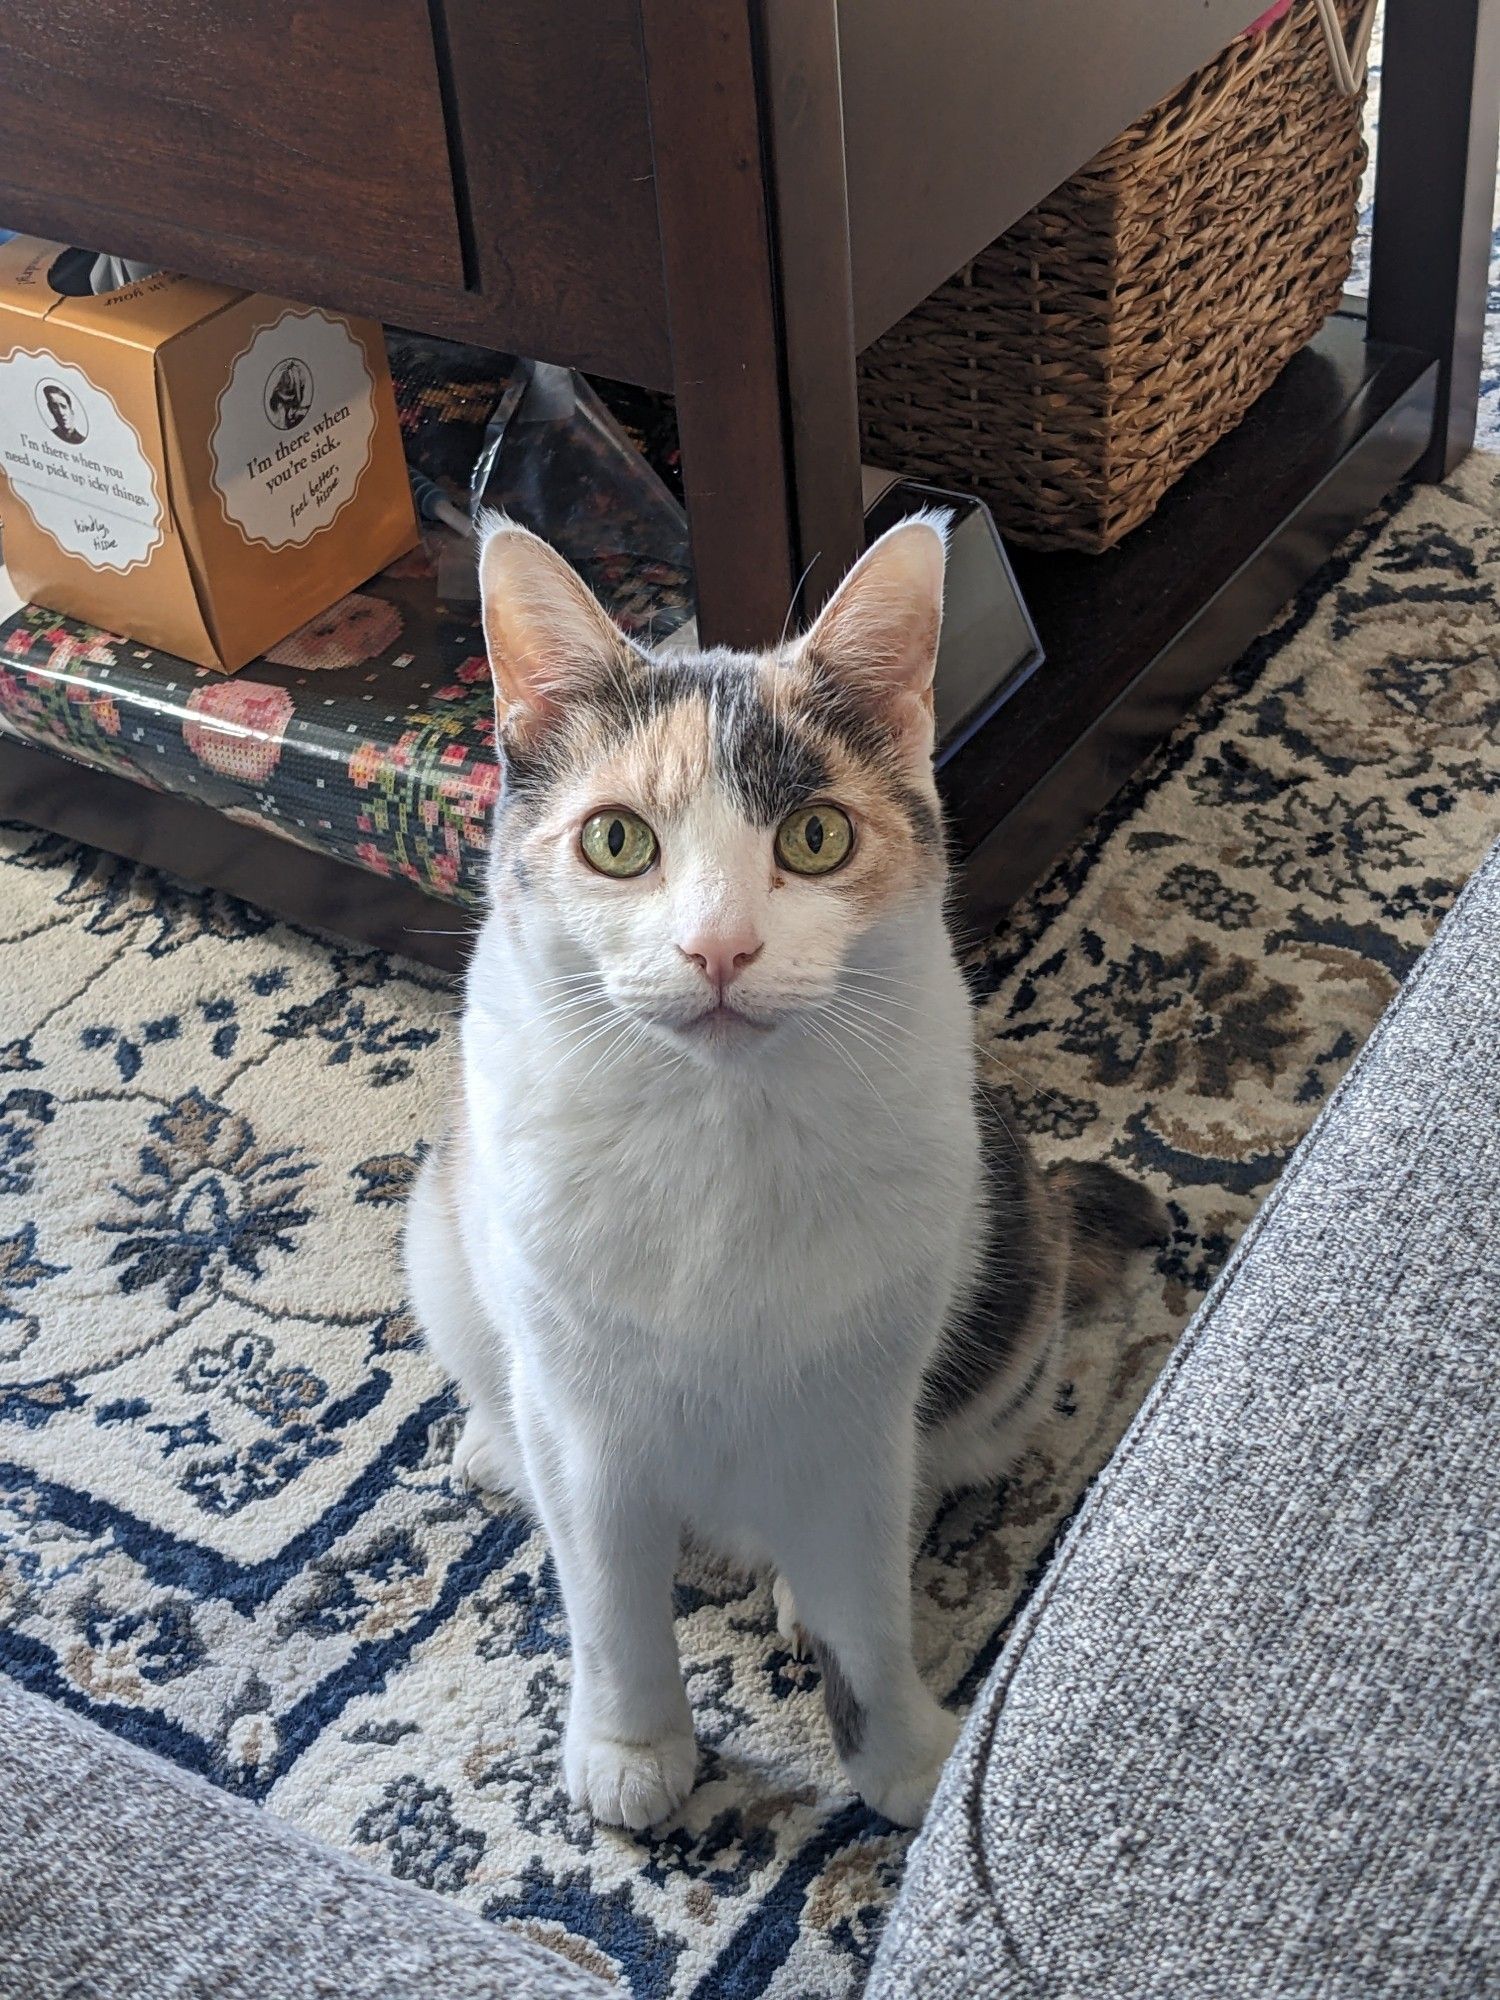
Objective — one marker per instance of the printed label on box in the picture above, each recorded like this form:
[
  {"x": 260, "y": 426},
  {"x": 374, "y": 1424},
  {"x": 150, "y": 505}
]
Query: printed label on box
[
  {"x": 294, "y": 425},
  {"x": 75, "y": 463}
]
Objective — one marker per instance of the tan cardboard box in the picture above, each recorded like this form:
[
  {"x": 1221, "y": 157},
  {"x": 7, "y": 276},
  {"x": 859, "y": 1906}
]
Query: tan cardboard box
[{"x": 198, "y": 468}]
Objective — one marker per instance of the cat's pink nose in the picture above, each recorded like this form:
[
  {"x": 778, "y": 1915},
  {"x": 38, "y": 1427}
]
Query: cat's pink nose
[{"x": 721, "y": 956}]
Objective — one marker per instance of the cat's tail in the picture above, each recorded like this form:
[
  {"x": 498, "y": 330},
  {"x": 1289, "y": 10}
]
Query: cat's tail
[{"x": 1111, "y": 1217}]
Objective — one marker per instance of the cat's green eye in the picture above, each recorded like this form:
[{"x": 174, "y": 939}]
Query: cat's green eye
[
  {"x": 618, "y": 843},
  {"x": 814, "y": 840}
]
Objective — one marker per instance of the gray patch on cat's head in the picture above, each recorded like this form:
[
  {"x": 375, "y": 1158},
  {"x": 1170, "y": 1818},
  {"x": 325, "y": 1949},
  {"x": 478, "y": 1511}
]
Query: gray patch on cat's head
[
  {"x": 764, "y": 760},
  {"x": 921, "y": 816},
  {"x": 842, "y": 713},
  {"x": 774, "y": 734}
]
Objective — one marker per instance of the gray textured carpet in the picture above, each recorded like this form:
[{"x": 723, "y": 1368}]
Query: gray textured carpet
[
  {"x": 123, "y": 1878},
  {"x": 1244, "y": 1741}
]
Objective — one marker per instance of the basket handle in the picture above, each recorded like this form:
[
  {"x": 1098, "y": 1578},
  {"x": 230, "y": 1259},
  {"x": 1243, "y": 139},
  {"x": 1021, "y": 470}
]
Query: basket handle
[{"x": 1350, "y": 59}]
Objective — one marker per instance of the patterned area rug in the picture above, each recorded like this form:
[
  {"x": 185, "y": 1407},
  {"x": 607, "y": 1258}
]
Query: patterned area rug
[{"x": 228, "y": 1527}]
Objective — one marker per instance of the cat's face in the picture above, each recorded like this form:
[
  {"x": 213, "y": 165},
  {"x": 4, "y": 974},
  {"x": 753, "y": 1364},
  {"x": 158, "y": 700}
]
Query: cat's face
[{"x": 715, "y": 841}]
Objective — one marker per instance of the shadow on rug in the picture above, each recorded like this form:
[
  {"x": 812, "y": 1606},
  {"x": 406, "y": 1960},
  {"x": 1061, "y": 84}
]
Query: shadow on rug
[{"x": 228, "y": 1529}]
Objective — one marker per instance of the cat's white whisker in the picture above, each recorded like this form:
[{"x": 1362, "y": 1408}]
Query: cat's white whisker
[
  {"x": 873, "y": 1044},
  {"x": 987, "y": 1049},
  {"x": 590, "y": 978},
  {"x": 863, "y": 972},
  {"x": 613, "y": 1051},
  {"x": 847, "y": 1056},
  {"x": 990, "y": 1053},
  {"x": 572, "y": 1043},
  {"x": 871, "y": 1013}
]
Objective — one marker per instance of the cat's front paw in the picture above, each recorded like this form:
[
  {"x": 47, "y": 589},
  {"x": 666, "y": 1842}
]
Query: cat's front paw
[
  {"x": 629, "y": 1784},
  {"x": 901, "y": 1786},
  {"x": 481, "y": 1456}
]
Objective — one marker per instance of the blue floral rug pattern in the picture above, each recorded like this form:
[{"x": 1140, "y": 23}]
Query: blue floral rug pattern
[{"x": 227, "y": 1528}]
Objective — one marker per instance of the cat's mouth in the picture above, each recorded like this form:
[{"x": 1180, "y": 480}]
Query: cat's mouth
[{"x": 722, "y": 1020}]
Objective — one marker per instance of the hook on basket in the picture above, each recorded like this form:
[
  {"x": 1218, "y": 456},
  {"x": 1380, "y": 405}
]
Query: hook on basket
[{"x": 1350, "y": 59}]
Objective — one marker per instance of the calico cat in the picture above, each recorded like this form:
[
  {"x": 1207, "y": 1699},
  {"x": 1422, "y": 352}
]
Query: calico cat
[{"x": 724, "y": 1237}]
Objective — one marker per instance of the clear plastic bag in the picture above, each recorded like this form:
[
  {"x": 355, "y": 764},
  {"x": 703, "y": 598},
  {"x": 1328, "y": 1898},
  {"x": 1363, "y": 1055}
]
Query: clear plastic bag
[
  {"x": 535, "y": 442},
  {"x": 555, "y": 460}
]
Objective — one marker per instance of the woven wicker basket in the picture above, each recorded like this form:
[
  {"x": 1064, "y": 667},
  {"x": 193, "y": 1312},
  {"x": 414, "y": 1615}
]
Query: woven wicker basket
[{"x": 1078, "y": 366}]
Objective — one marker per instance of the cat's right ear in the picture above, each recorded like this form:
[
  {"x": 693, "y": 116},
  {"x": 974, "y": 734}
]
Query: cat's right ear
[
  {"x": 877, "y": 637},
  {"x": 547, "y": 636}
]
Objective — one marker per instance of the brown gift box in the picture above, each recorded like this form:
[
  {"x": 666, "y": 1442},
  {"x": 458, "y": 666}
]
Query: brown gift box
[{"x": 195, "y": 467}]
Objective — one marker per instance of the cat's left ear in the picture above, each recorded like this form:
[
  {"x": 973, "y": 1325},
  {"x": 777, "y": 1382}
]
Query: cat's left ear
[
  {"x": 877, "y": 637},
  {"x": 547, "y": 635}
]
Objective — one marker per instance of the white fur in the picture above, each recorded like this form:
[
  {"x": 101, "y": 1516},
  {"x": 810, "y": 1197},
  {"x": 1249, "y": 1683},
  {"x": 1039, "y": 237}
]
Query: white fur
[{"x": 691, "y": 1279}]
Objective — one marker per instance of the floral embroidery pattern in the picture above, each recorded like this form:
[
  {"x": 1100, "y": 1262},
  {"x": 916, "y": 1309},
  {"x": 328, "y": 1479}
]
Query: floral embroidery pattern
[
  {"x": 1328, "y": 847},
  {"x": 21, "y": 1270},
  {"x": 236, "y": 728},
  {"x": 207, "y": 1200},
  {"x": 422, "y": 1840},
  {"x": 339, "y": 739},
  {"x": 358, "y": 628},
  {"x": 1198, "y": 1017}
]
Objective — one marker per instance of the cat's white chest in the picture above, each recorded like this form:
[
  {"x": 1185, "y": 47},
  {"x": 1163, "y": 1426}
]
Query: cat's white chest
[{"x": 699, "y": 1214}]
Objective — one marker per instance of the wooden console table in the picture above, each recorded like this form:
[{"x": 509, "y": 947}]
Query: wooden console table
[{"x": 728, "y": 198}]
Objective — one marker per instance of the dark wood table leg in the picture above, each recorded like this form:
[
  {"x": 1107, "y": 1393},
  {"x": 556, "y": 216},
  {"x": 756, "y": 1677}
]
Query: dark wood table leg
[
  {"x": 1435, "y": 198},
  {"x": 748, "y": 146}
]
